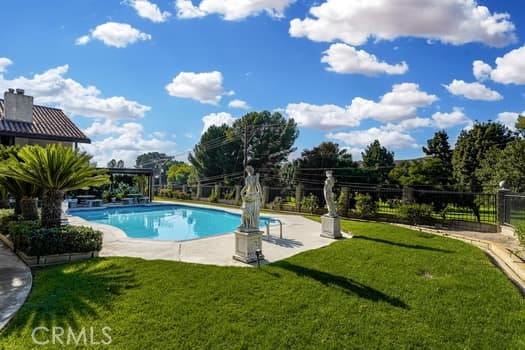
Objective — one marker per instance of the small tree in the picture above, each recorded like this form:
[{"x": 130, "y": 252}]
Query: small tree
[{"x": 55, "y": 169}]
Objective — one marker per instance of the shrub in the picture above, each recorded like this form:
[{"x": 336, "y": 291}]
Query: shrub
[
  {"x": 310, "y": 202},
  {"x": 6, "y": 216},
  {"x": 166, "y": 193},
  {"x": 108, "y": 195},
  {"x": 181, "y": 195},
  {"x": 214, "y": 197},
  {"x": 341, "y": 203},
  {"x": 277, "y": 203},
  {"x": 365, "y": 205},
  {"x": 33, "y": 239},
  {"x": 520, "y": 232},
  {"x": 415, "y": 213},
  {"x": 230, "y": 195}
]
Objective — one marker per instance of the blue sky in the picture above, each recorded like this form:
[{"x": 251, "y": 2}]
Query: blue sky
[{"x": 140, "y": 75}]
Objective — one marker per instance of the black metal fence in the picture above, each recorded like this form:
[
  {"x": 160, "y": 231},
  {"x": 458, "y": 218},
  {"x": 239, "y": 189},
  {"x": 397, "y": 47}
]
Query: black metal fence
[
  {"x": 446, "y": 206},
  {"x": 514, "y": 209}
]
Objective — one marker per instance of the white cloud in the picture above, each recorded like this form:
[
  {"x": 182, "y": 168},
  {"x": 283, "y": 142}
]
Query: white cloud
[
  {"x": 454, "y": 118},
  {"x": 203, "y": 87},
  {"x": 322, "y": 116},
  {"x": 355, "y": 152},
  {"x": 53, "y": 88},
  {"x": 509, "y": 119},
  {"x": 232, "y": 10},
  {"x": 185, "y": 9},
  {"x": 148, "y": 10},
  {"x": 83, "y": 40},
  {"x": 473, "y": 91},
  {"x": 481, "y": 70},
  {"x": 114, "y": 34},
  {"x": 239, "y": 104},
  {"x": 509, "y": 68},
  {"x": 4, "y": 62},
  {"x": 342, "y": 58},
  {"x": 450, "y": 21},
  {"x": 123, "y": 141},
  {"x": 397, "y": 105},
  {"x": 388, "y": 137},
  {"x": 217, "y": 119}
]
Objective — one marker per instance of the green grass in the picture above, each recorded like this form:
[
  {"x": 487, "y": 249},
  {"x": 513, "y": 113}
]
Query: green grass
[{"x": 388, "y": 287}]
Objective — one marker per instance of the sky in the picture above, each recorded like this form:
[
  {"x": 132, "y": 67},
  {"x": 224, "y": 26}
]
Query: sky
[{"x": 141, "y": 76}]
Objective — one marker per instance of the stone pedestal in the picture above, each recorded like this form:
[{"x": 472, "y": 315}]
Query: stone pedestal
[
  {"x": 246, "y": 243},
  {"x": 331, "y": 227}
]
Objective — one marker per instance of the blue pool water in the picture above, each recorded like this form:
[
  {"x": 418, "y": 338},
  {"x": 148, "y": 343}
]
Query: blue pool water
[{"x": 165, "y": 222}]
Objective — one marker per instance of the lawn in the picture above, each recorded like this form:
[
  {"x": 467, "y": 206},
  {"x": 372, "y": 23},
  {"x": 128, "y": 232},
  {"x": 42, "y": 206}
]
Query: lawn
[{"x": 388, "y": 287}]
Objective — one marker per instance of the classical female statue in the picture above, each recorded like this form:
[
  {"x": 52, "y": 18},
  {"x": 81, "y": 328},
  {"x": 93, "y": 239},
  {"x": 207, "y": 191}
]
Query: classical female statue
[
  {"x": 251, "y": 195},
  {"x": 328, "y": 195}
]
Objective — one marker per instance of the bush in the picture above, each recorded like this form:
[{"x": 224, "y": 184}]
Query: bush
[
  {"x": 310, "y": 202},
  {"x": 33, "y": 239},
  {"x": 520, "y": 232},
  {"x": 415, "y": 213},
  {"x": 108, "y": 195},
  {"x": 214, "y": 196},
  {"x": 181, "y": 195},
  {"x": 166, "y": 193},
  {"x": 6, "y": 216},
  {"x": 365, "y": 205},
  {"x": 230, "y": 195},
  {"x": 277, "y": 203},
  {"x": 340, "y": 203}
]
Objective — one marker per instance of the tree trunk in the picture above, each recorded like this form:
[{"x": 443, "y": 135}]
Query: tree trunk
[
  {"x": 28, "y": 208},
  {"x": 52, "y": 208}
]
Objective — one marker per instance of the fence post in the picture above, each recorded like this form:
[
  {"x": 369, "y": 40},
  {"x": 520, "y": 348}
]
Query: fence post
[
  {"x": 408, "y": 195},
  {"x": 199, "y": 191},
  {"x": 500, "y": 204},
  {"x": 218, "y": 191},
  {"x": 299, "y": 192},
  {"x": 237, "y": 193},
  {"x": 266, "y": 195}
]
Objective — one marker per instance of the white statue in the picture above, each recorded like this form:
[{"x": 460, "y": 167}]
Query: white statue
[
  {"x": 328, "y": 195},
  {"x": 251, "y": 195}
]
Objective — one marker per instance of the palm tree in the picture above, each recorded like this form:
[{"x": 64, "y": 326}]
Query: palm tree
[
  {"x": 24, "y": 193},
  {"x": 55, "y": 169}
]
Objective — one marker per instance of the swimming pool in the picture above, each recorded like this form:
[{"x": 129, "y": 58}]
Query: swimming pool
[{"x": 165, "y": 222}]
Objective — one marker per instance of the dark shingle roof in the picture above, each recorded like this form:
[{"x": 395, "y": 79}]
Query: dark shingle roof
[{"x": 48, "y": 123}]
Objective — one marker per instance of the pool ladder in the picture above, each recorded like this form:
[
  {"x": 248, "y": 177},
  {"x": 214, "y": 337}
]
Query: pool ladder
[{"x": 280, "y": 228}]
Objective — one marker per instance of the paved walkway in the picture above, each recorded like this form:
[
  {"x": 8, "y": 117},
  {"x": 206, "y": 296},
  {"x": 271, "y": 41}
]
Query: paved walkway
[
  {"x": 15, "y": 284},
  {"x": 504, "y": 248},
  {"x": 299, "y": 235}
]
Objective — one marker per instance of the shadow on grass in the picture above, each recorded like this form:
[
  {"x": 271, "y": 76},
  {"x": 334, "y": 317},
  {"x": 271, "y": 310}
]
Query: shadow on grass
[
  {"x": 64, "y": 295},
  {"x": 346, "y": 284},
  {"x": 403, "y": 245}
]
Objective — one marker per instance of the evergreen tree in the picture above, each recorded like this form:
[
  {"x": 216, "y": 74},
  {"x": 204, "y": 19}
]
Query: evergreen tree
[
  {"x": 472, "y": 149},
  {"x": 378, "y": 161}
]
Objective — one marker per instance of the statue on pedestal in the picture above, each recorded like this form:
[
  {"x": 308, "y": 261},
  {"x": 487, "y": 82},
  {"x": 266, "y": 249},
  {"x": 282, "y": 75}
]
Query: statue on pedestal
[
  {"x": 251, "y": 195},
  {"x": 328, "y": 194}
]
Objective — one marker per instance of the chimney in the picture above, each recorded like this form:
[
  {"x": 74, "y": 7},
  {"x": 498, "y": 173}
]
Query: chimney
[{"x": 18, "y": 106}]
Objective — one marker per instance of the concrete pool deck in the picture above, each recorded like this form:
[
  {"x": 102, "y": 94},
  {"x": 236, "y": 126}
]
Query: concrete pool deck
[{"x": 299, "y": 235}]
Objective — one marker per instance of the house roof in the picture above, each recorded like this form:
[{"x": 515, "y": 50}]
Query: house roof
[{"x": 48, "y": 124}]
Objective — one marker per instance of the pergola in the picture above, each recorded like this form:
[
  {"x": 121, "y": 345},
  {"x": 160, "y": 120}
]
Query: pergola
[{"x": 134, "y": 171}]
